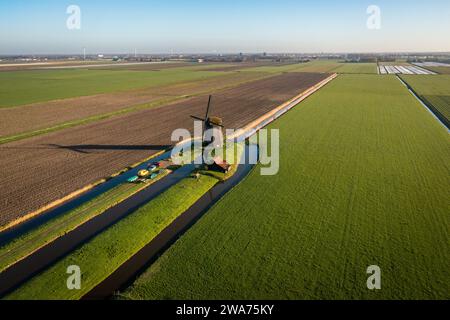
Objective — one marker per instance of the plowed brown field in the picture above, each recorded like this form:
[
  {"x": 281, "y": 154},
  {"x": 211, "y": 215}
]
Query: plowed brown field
[
  {"x": 40, "y": 170},
  {"x": 246, "y": 65}
]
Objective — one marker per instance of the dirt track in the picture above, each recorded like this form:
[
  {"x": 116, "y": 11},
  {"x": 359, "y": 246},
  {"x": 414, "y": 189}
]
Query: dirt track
[{"x": 42, "y": 169}]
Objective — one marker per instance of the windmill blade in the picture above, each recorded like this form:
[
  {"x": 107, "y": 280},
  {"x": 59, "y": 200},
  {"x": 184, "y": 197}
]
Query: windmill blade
[
  {"x": 198, "y": 118},
  {"x": 207, "y": 110}
]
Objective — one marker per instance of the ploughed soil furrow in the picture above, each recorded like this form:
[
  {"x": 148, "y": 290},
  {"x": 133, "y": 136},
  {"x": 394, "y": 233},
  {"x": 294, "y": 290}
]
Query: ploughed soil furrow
[
  {"x": 40, "y": 170},
  {"x": 43, "y": 115}
]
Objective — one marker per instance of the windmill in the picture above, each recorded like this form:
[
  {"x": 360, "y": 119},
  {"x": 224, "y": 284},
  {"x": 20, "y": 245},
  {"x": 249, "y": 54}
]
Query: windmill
[{"x": 208, "y": 124}]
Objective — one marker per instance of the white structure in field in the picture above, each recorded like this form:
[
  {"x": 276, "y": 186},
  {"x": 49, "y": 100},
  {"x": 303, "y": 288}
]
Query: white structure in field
[{"x": 409, "y": 69}]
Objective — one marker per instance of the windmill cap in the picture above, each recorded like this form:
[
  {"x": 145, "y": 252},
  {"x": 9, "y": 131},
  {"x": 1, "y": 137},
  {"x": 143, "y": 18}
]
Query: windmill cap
[{"x": 216, "y": 121}]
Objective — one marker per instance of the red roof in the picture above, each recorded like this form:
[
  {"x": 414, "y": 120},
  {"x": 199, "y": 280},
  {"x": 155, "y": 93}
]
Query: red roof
[{"x": 221, "y": 163}]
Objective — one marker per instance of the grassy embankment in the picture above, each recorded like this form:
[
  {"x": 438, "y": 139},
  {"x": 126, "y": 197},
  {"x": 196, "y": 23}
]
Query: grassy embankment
[
  {"x": 363, "y": 181},
  {"x": 26, "y": 244}
]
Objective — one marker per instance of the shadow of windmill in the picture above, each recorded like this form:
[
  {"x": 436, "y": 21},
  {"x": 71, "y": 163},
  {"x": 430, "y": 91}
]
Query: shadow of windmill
[{"x": 89, "y": 148}]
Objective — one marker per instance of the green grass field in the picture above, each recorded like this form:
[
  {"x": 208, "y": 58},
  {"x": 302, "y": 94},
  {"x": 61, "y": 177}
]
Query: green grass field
[
  {"x": 433, "y": 88},
  {"x": 25, "y": 87},
  {"x": 400, "y": 62},
  {"x": 102, "y": 255},
  {"x": 320, "y": 66},
  {"x": 312, "y": 66},
  {"x": 440, "y": 70},
  {"x": 357, "y": 68},
  {"x": 363, "y": 181}
]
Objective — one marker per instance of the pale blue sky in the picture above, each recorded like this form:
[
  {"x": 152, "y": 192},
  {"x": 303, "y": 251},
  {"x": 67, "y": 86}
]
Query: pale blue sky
[{"x": 199, "y": 26}]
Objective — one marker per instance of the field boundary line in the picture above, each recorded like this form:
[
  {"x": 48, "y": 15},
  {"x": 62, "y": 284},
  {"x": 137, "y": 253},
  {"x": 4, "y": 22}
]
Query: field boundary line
[{"x": 427, "y": 105}]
